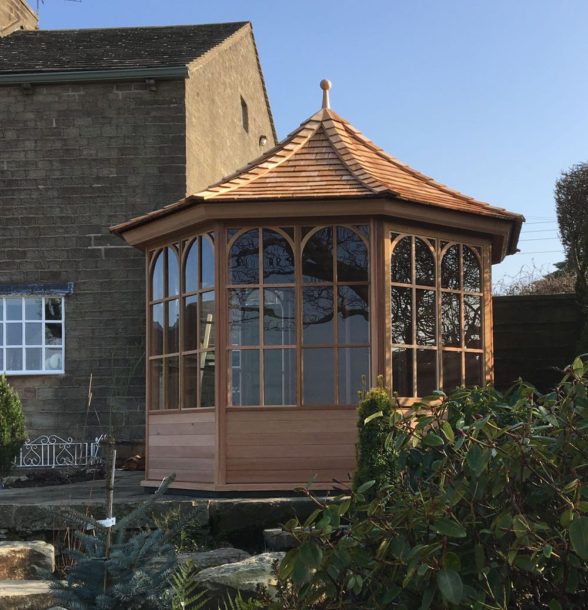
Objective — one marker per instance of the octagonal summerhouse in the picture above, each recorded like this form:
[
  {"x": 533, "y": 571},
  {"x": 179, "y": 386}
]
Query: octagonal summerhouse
[{"x": 273, "y": 295}]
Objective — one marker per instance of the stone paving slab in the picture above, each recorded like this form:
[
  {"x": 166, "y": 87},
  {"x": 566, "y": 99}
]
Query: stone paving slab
[{"x": 26, "y": 595}]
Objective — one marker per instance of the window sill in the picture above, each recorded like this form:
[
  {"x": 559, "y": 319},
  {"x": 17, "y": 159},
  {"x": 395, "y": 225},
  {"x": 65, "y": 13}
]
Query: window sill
[{"x": 30, "y": 373}]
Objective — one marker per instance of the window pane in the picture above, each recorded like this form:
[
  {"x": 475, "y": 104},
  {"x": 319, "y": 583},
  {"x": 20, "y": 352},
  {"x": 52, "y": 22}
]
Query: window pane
[
  {"x": 244, "y": 259},
  {"x": 53, "y": 334},
  {"x": 173, "y": 327},
  {"x": 156, "y": 279},
  {"x": 14, "y": 359},
  {"x": 191, "y": 268},
  {"x": 426, "y": 371},
  {"x": 173, "y": 382},
  {"x": 280, "y": 377},
  {"x": 278, "y": 259},
  {"x": 207, "y": 262},
  {"x": 245, "y": 377},
  {"x": 402, "y": 262},
  {"x": 317, "y": 315},
  {"x": 33, "y": 309},
  {"x": 14, "y": 333},
  {"x": 472, "y": 317},
  {"x": 352, "y": 256},
  {"x": 450, "y": 268},
  {"x": 173, "y": 273},
  {"x": 53, "y": 359},
  {"x": 244, "y": 317},
  {"x": 402, "y": 373},
  {"x": 472, "y": 277},
  {"x": 424, "y": 263},
  {"x": 53, "y": 309},
  {"x": 473, "y": 364},
  {"x": 156, "y": 339},
  {"x": 14, "y": 309},
  {"x": 207, "y": 367},
  {"x": 1, "y": 309},
  {"x": 451, "y": 320},
  {"x": 317, "y": 365},
  {"x": 401, "y": 315},
  {"x": 451, "y": 371},
  {"x": 190, "y": 323},
  {"x": 317, "y": 257},
  {"x": 426, "y": 317},
  {"x": 207, "y": 326},
  {"x": 34, "y": 359},
  {"x": 190, "y": 381},
  {"x": 279, "y": 316},
  {"x": 156, "y": 388},
  {"x": 354, "y": 373},
  {"x": 34, "y": 333},
  {"x": 353, "y": 314}
]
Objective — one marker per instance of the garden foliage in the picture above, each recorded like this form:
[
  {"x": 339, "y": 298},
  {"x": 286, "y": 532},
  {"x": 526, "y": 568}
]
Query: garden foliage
[
  {"x": 137, "y": 572},
  {"x": 12, "y": 426},
  {"x": 489, "y": 510}
]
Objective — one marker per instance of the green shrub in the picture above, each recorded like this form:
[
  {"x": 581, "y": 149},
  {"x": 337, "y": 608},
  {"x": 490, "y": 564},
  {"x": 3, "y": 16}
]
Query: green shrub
[
  {"x": 12, "y": 426},
  {"x": 489, "y": 511},
  {"x": 373, "y": 427}
]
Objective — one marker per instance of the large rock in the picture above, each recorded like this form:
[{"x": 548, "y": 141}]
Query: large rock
[
  {"x": 217, "y": 557},
  {"x": 26, "y": 595},
  {"x": 26, "y": 560},
  {"x": 244, "y": 576},
  {"x": 277, "y": 539}
]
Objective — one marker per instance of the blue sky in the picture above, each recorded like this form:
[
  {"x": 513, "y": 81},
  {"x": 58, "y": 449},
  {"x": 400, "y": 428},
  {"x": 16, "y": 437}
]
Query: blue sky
[{"x": 487, "y": 97}]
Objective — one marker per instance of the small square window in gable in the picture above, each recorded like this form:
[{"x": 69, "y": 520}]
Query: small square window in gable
[{"x": 244, "y": 115}]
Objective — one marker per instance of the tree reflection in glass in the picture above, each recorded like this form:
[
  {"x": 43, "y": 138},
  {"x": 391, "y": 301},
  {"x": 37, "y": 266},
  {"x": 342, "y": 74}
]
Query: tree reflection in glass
[
  {"x": 244, "y": 259},
  {"x": 317, "y": 315},
  {"x": 472, "y": 276},
  {"x": 402, "y": 261},
  {"x": 451, "y": 320},
  {"x": 402, "y": 371},
  {"x": 401, "y": 315},
  {"x": 278, "y": 259},
  {"x": 352, "y": 256},
  {"x": 353, "y": 314},
  {"x": 472, "y": 317},
  {"x": 426, "y": 317},
  {"x": 424, "y": 263},
  {"x": 450, "y": 274},
  {"x": 279, "y": 316},
  {"x": 317, "y": 257}
]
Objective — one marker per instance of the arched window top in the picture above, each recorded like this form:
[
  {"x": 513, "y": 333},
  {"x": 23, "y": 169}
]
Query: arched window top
[
  {"x": 352, "y": 256},
  {"x": 207, "y": 258},
  {"x": 244, "y": 258},
  {"x": 424, "y": 263},
  {"x": 157, "y": 276},
  {"x": 450, "y": 271},
  {"x": 402, "y": 261},
  {"x": 173, "y": 272},
  {"x": 472, "y": 273},
  {"x": 191, "y": 268},
  {"x": 278, "y": 258},
  {"x": 317, "y": 257}
]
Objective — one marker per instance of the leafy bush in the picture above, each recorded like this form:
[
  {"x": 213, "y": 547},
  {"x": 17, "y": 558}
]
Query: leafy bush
[
  {"x": 373, "y": 427},
  {"x": 489, "y": 510},
  {"x": 12, "y": 426},
  {"x": 137, "y": 571}
]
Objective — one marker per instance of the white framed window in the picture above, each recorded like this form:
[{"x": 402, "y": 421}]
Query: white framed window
[{"x": 32, "y": 337}]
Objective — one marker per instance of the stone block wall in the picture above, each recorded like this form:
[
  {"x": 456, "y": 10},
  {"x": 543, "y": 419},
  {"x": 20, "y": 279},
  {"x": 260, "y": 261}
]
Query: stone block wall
[
  {"x": 16, "y": 15},
  {"x": 76, "y": 159}
]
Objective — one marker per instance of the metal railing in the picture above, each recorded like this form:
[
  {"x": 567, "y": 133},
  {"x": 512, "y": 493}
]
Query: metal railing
[{"x": 51, "y": 451}]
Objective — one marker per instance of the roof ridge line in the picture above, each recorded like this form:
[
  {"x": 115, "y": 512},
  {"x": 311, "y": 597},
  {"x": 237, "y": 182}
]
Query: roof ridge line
[
  {"x": 259, "y": 161},
  {"x": 388, "y": 157}
]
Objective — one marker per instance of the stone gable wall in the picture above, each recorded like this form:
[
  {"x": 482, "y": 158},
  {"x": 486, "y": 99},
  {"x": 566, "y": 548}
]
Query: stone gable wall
[{"x": 16, "y": 15}]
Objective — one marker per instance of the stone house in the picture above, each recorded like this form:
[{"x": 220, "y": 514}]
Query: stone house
[{"x": 97, "y": 126}]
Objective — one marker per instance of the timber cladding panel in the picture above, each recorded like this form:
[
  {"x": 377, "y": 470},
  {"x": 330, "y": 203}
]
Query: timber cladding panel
[
  {"x": 290, "y": 445},
  {"x": 535, "y": 337},
  {"x": 76, "y": 159}
]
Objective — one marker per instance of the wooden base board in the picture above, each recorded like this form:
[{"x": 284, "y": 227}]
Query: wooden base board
[{"x": 235, "y": 487}]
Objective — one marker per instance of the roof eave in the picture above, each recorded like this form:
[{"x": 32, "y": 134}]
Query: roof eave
[{"x": 116, "y": 74}]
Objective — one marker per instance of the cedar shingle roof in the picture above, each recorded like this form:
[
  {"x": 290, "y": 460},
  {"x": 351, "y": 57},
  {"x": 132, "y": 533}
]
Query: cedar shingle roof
[
  {"x": 326, "y": 157},
  {"x": 112, "y": 48}
]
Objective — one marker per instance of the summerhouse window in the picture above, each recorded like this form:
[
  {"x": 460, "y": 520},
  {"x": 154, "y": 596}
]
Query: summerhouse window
[
  {"x": 436, "y": 306},
  {"x": 298, "y": 323},
  {"x": 31, "y": 335},
  {"x": 182, "y": 326}
]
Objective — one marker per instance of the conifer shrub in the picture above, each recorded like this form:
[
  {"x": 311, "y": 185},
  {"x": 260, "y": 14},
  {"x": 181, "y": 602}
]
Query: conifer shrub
[
  {"x": 489, "y": 510},
  {"x": 12, "y": 426},
  {"x": 374, "y": 461}
]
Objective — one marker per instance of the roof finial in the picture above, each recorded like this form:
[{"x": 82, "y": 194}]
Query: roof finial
[{"x": 325, "y": 86}]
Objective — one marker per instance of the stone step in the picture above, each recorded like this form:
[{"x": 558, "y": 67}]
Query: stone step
[
  {"x": 26, "y": 595},
  {"x": 26, "y": 560}
]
